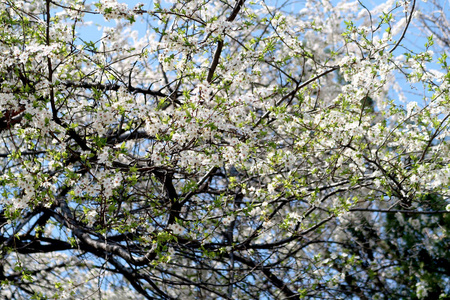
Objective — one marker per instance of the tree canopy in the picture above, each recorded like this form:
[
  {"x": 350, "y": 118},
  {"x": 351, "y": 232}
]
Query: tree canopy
[{"x": 205, "y": 149}]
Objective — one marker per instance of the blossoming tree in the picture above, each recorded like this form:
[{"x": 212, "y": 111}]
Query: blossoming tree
[{"x": 215, "y": 149}]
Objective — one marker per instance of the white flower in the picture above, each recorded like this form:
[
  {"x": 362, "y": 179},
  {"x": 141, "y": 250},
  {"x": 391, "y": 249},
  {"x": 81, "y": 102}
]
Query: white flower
[
  {"x": 117, "y": 181},
  {"x": 410, "y": 108},
  {"x": 103, "y": 157},
  {"x": 227, "y": 220},
  {"x": 176, "y": 228},
  {"x": 421, "y": 290},
  {"x": 91, "y": 216}
]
